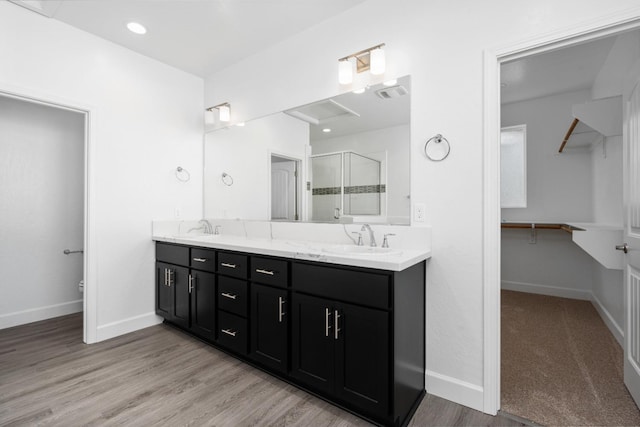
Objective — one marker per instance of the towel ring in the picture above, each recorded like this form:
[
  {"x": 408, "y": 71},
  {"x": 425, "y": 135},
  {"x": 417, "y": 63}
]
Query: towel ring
[
  {"x": 439, "y": 150},
  {"x": 182, "y": 174},
  {"x": 227, "y": 179}
]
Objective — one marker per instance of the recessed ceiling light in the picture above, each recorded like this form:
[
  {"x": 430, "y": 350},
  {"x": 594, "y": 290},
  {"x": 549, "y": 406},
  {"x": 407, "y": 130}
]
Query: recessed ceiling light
[
  {"x": 390, "y": 82},
  {"x": 326, "y": 130},
  {"x": 359, "y": 91},
  {"x": 136, "y": 27},
  {"x": 240, "y": 124}
]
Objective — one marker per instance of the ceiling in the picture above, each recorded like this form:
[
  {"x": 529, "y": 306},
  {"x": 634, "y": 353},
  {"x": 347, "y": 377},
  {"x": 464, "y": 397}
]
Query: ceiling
[
  {"x": 197, "y": 36},
  {"x": 563, "y": 70}
]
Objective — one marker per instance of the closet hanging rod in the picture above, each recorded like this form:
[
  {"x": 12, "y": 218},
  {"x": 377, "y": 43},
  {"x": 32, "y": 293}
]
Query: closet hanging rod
[{"x": 568, "y": 135}]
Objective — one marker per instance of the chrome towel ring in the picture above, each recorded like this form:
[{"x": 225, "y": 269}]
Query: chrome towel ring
[{"x": 437, "y": 148}]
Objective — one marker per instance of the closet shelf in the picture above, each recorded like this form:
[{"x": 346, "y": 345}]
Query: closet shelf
[{"x": 540, "y": 226}]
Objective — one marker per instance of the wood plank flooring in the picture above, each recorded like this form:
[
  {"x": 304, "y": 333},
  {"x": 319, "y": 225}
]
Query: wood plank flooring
[{"x": 161, "y": 377}]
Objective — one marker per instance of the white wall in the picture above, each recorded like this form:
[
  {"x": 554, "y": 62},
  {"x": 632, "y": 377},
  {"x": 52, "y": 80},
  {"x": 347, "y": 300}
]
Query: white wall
[
  {"x": 42, "y": 209},
  {"x": 559, "y": 188},
  {"x": 146, "y": 119},
  {"x": 559, "y": 185},
  {"x": 245, "y": 154},
  {"x": 442, "y": 49},
  {"x": 606, "y": 159},
  {"x": 395, "y": 172}
]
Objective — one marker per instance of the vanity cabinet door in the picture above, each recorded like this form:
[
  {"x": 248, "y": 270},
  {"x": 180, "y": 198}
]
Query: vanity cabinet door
[
  {"x": 312, "y": 342},
  {"x": 362, "y": 357},
  {"x": 203, "y": 304},
  {"x": 179, "y": 283},
  {"x": 269, "y": 326}
]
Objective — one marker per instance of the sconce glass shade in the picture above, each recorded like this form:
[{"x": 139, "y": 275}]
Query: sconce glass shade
[
  {"x": 225, "y": 113},
  {"x": 378, "y": 63},
  {"x": 209, "y": 117},
  {"x": 345, "y": 72}
]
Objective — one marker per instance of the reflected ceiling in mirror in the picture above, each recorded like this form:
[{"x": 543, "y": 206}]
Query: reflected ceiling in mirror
[{"x": 351, "y": 155}]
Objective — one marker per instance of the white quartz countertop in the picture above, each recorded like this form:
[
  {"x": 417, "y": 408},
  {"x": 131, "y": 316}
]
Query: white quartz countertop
[{"x": 358, "y": 256}]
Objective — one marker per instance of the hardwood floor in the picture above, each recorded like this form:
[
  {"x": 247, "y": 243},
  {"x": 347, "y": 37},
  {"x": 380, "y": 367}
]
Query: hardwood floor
[{"x": 160, "y": 376}]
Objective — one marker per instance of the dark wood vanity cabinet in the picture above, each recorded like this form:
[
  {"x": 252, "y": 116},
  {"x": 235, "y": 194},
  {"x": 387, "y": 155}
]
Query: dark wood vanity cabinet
[
  {"x": 351, "y": 335},
  {"x": 185, "y": 296}
]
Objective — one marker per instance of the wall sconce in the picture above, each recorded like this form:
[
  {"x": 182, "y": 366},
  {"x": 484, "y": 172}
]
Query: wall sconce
[
  {"x": 224, "y": 113},
  {"x": 372, "y": 59}
]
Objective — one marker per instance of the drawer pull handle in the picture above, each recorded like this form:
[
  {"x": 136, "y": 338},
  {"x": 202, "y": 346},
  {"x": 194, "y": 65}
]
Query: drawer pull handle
[
  {"x": 229, "y": 332},
  {"x": 230, "y": 296},
  {"x": 224, "y": 264},
  {"x": 270, "y": 273},
  {"x": 200, "y": 259}
]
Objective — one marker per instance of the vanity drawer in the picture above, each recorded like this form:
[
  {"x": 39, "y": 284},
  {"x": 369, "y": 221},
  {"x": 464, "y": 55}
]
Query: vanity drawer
[
  {"x": 360, "y": 287},
  {"x": 232, "y": 332},
  {"x": 232, "y": 295},
  {"x": 173, "y": 254},
  {"x": 269, "y": 271},
  {"x": 203, "y": 259},
  {"x": 232, "y": 264}
]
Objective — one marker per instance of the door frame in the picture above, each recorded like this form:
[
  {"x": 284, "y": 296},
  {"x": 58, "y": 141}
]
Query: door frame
[
  {"x": 300, "y": 179},
  {"x": 90, "y": 299},
  {"x": 492, "y": 60}
]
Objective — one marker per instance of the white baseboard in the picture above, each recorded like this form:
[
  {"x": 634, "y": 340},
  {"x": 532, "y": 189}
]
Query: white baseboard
[
  {"x": 455, "y": 390},
  {"x": 608, "y": 320},
  {"x": 553, "y": 291},
  {"x": 40, "y": 313},
  {"x": 121, "y": 327}
]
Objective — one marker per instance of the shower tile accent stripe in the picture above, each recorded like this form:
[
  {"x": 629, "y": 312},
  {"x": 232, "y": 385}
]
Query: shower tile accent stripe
[{"x": 356, "y": 189}]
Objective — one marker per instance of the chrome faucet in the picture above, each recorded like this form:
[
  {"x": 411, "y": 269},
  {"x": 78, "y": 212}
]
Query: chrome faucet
[
  {"x": 372, "y": 238},
  {"x": 216, "y": 231},
  {"x": 206, "y": 225}
]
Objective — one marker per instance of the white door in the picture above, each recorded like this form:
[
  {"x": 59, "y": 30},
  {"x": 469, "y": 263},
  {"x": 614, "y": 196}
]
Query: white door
[
  {"x": 283, "y": 190},
  {"x": 632, "y": 242}
]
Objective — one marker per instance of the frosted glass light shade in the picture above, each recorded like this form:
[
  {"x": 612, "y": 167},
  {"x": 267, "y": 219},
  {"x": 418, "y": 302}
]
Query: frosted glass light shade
[
  {"x": 209, "y": 117},
  {"x": 345, "y": 72},
  {"x": 377, "y": 62},
  {"x": 225, "y": 113}
]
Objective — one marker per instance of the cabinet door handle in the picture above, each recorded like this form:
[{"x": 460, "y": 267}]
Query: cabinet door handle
[
  {"x": 230, "y": 296},
  {"x": 169, "y": 273},
  {"x": 224, "y": 264},
  {"x": 270, "y": 273},
  {"x": 229, "y": 332},
  {"x": 190, "y": 283},
  {"x": 327, "y": 314},
  {"x": 166, "y": 280},
  {"x": 200, "y": 259},
  {"x": 281, "y": 302},
  {"x": 336, "y": 328}
]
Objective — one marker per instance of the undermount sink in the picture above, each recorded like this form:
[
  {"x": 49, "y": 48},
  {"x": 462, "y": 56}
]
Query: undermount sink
[{"x": 360, "y": 250}]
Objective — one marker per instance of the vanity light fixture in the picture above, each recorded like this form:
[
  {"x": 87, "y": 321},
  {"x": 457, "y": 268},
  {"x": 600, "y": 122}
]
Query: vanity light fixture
[
  {"x": 372, "y": 59},
  {"x": 137, "y": 28},
  {"x": 224, "y": 113}
]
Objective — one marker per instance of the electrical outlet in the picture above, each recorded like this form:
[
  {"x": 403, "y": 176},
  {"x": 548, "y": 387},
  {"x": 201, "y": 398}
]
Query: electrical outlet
[{"x": 419, "y": 212}]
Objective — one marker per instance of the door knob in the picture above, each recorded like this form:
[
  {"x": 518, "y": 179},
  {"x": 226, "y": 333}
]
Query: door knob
[{"x": 623, "y": 247}]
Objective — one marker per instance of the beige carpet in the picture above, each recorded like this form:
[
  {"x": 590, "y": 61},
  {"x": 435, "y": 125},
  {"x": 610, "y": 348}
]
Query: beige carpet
[{"x": 560, "y": 364}]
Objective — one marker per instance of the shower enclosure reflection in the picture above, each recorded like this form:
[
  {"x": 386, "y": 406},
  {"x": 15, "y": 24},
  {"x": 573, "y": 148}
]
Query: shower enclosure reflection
[{"x": 344, "y": 183}]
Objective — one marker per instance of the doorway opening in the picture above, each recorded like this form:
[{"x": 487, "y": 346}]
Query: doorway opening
[
  {"x": 547, "y": 266},
  {"x": 285, "y": 188},
  {"x": 42, "y": 159}
]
